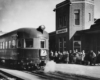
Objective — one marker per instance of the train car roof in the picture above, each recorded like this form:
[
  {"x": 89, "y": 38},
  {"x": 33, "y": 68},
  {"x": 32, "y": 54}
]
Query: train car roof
[{"x": 29, "y": 31}]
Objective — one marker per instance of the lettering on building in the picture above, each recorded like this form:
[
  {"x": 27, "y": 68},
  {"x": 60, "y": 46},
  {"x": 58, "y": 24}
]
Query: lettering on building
[{"x": 61, "y": 31}]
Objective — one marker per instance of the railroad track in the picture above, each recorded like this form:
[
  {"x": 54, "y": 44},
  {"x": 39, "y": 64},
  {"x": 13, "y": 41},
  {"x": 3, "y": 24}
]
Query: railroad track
[
  {"x": 60, "y": 76},
  {"x": 50, "y": 76},
  {"x": 7, "y": 76},
  {"x": 45, "y": 76}
]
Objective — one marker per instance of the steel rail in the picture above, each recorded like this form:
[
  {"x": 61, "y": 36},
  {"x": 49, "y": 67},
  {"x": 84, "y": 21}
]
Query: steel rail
[{"x": 60, "y": 76}]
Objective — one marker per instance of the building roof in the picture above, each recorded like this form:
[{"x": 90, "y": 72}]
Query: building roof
[
  {"x": 66, "y": 2},
  {"x": 52, "y": 33},
  {"x": 95, "y": 28}
]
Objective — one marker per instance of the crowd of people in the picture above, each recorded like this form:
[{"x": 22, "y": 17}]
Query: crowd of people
[{"x": 75, "y": 57}]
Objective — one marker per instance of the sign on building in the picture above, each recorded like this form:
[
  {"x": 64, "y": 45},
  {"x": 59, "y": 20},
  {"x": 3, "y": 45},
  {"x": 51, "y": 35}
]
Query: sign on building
[{"x": 61, "y": 31}]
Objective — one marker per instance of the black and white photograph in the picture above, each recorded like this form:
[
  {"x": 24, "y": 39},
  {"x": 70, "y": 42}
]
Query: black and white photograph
[{"x": 49, "y": 40}]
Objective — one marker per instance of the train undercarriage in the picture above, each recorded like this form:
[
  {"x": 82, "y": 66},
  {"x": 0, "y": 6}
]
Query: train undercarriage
[{"x": 22, "y": 64}]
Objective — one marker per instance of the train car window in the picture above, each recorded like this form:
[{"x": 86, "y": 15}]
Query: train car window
[
  {"x": 6, "y": 44},
  {"x": 0, "y": 45},
  {"x": 13, "y": 43},
  {"x": 43, "y": 44},
  {"x": 19, "y": 43},
  {"x": 3, "y": 45},
  {"x": 29, "y": 43},
  {"x": 9, "y": 44}
]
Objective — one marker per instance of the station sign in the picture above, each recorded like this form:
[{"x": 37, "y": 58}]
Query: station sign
[{"x": 61, "y": 31}]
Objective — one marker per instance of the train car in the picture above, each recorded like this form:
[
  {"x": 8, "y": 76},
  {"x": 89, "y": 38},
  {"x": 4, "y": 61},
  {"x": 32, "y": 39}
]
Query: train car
[{"x": 24, "y": 48}]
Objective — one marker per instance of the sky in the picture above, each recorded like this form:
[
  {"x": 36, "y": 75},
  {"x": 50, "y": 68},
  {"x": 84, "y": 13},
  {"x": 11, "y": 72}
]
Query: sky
[{"x": 15, "y": 14}]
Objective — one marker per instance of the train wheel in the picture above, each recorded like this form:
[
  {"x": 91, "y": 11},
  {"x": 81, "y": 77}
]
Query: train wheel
[
  {"x": 0, "y": 61},
  {"x": 34, "y": 67},
  {"x": 3, "y": 62}
]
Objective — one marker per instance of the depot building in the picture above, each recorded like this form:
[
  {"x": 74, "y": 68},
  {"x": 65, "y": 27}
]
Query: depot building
[{"x": 75, "y": 27}]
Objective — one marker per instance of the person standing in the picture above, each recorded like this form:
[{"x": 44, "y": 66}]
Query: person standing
[
  {"x": 51, "y": 55},
  {"x": 83, "y": 56},
  {"x": 65, "y": 57},
  {"x": 98, "y": 57},
  {"x": 56, "y": 57},
  {"x": 70, "y": 56},
  {"x": 92, "y": 57}
]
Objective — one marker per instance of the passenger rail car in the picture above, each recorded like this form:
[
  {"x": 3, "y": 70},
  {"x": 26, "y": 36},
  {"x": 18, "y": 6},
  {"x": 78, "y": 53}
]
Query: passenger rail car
[{"x": 24, "y": 48}]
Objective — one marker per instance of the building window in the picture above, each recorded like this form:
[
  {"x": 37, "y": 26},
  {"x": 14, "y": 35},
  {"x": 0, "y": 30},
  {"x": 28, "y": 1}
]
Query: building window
[
  {"x": 60, "y": 44},
  {"x": 77, "y": 16},
  {"x": 89, "y": 16},
  {"x": 77, "y": 43},
  {"x": 28, "y": 43},
  {"x": 64, "y": 44},
  {"x": 62, "y": 21}
]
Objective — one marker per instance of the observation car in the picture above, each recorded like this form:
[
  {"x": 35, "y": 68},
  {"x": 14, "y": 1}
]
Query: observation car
[{"x": 24, "y": 48}]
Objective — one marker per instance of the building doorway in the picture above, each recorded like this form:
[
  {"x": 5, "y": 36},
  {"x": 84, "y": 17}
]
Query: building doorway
[{"x": 77, "y": 46}]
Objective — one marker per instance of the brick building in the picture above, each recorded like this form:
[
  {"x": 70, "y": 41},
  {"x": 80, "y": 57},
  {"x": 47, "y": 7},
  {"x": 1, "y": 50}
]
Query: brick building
[{"x": 73, "y": 17}]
